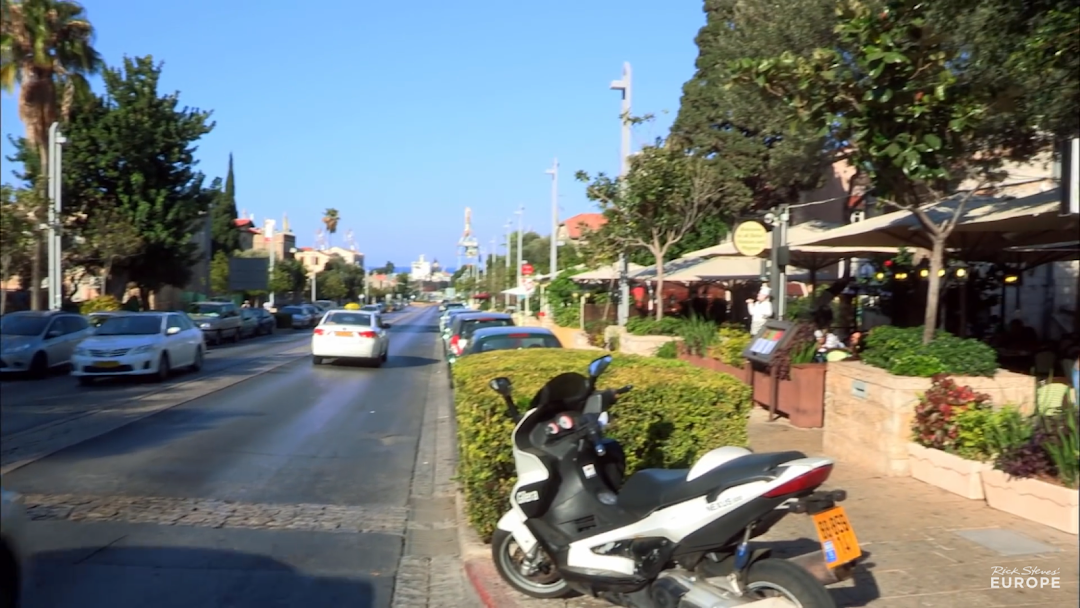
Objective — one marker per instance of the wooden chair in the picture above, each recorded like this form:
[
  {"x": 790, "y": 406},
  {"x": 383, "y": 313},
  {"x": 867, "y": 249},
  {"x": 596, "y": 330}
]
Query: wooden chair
[{"x": 1050, "y": 397}]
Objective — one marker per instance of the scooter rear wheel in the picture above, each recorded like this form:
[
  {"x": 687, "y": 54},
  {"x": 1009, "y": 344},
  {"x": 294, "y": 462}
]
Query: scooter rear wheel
[
  {"x": 783, "y": 579},
  {"x": 508, "y": 556}
]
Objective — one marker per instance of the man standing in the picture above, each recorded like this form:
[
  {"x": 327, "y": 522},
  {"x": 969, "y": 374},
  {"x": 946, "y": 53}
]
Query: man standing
[{"x": 760, "y": 309}]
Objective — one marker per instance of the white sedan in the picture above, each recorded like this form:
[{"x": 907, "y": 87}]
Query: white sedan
[
  {"x": 351, "y": 334},
  {"x": 139, "y": 344}
]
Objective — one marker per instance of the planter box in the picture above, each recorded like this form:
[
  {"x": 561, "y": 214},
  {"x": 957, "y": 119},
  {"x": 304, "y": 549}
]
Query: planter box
[
  {"x": 947, "y": 471},
  {"x": 1034, "y": 500},
  {"x": 801, "y": 398},
  {"x": 642, "y": 345},
  {"x": 868, "y": 411},
  {"x": 742, "y": 373}
]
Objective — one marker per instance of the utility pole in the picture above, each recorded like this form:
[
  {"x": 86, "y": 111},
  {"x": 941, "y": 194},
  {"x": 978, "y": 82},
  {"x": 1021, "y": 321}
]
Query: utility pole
[
  {"x": 506, "y": 279},
  {"x": 268, "y": 233},
  {"x": 624, "y": 85},
  {"x": 520, "y": 242},
  {"x": 56, "y": 248},
  {"x": 489, "y": 271},
  {"x": 554, "y": 262},
  {"x": 778, "y": 258}
]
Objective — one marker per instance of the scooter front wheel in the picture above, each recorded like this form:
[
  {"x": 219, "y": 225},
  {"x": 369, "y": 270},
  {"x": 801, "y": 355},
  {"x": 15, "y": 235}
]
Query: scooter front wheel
[
  {"x": 546, "y": 583},
  {"x": 780, "y": 578}
]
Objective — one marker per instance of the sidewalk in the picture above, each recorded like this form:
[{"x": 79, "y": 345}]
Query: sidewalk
[{"x": 913, "y": 538}]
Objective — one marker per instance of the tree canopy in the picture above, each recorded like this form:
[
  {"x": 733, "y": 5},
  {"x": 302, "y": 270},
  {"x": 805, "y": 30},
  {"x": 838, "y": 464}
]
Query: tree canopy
[{"x": 223, "y": 215}]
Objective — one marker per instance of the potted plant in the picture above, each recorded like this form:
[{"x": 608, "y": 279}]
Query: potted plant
[
  {"x": 949, "y": 449},
  {"x": 1037, "y": 470},
  {"x": 801, "y": 395}
]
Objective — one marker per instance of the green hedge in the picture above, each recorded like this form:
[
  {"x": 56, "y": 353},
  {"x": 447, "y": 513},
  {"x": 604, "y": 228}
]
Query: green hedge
[
  {"x": 675, "y": 413},
  {"x": 900, "y": 351}
]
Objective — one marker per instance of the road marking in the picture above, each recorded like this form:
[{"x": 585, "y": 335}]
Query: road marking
[{"x": 208, "y": 513}]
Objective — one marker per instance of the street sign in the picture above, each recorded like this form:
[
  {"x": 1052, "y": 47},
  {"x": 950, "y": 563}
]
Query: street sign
[
  {"x": 751, "y": 238},
  {"x": 527, "y": 269}
]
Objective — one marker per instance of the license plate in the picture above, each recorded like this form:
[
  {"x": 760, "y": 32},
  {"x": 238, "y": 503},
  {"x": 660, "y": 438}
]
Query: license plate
[
  {"x": 838, "y": 541},
  {"x": 107, "y": 364},
  {"x": 343, "y": 334}
]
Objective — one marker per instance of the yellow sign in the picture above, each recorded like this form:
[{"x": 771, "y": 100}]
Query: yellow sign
[{"x": 751, "y": 238}]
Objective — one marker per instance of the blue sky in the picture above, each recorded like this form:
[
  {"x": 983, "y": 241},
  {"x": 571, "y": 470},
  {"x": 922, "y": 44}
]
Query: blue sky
[{"x": 401, "y": 115}]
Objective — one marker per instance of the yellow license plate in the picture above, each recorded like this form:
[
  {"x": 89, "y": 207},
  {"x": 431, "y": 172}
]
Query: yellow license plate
[
  {"x": 838, "y": 541},
  {"x": 343, "y": 334},
  {"x": 107, "y": 364}
]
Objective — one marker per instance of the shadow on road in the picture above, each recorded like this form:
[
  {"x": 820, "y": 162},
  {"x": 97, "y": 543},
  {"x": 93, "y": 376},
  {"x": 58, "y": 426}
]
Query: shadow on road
[
  {"x": 414, "y": 328},
  {"x": 152, "y": 432},
  {"x": 409, "y": 361},
  {"x": 174, "y": 577},
  {"x": 866, "y": 588}
]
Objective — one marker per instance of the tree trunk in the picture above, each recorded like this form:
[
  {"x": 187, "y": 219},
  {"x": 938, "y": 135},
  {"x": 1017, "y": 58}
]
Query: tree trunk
[
  {"x": 933, "y": 287},
  {"x": 659, "y": 287}
]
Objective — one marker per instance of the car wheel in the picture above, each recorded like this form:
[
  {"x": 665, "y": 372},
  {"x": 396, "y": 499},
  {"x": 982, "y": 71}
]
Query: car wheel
[
  {"x": 163, "y": 368},
  {"x": 39, "y": 365},
  {"x": 386, "y": 354},
  {"x": 236, "y": 335},
  {"x": 316, "y": 360},
  {"x": 376, "y": 362},
  {"x": 86, "y": 380},
  {"x": 198, "y": 363}
]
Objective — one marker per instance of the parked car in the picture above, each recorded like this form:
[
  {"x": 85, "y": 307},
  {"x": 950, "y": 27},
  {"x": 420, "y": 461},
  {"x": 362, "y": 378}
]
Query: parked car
[
  {"x": 347, "y": 334},
  {"x": 266, "y": 322},
  {"x": 462, "y": 327},
  {"x": 13, "y": 548},
  {"x": 140, "y": 344},
  {"x": 315, "y": 312},
  {"x": 488, "y": 339},
  {"x": 325, "y": 305},
  {"x": 301, "y": 317},
  {"x": 97, "y": 318},
  {"x": 372, "y": 308},
  {"x": 219, "y": 321},
  {"x": 444, "y": 320},
  {"x": 36, "y": 341},
  {"x": 249, "y": 322}
]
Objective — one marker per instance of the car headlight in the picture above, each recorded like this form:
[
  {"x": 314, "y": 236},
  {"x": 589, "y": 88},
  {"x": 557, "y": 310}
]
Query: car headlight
[
  {"x": 17, "y": 349},
  {"x": 145, "y": 348},
  {"x": 80, "y": 351},
  {"x": 204, "y": 326}
]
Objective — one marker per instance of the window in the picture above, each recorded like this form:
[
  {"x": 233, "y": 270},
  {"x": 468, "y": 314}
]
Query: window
[
  {"x": 78, "y": 323},
  {"x": 348, "y": 318},
  {"x": 17, "y": 324},
  {"x": 174, "y": 321},
  {"x": 185, "y": 322},
  {"x": 468, "y": 328},
  {"x": 511, "y": 342},
  {"x": 130, "y": 325}
]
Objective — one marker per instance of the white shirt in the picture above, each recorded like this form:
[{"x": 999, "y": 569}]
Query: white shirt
[
  {"x": 832, "y": 342},
  {"x": 760, "y": 309}
]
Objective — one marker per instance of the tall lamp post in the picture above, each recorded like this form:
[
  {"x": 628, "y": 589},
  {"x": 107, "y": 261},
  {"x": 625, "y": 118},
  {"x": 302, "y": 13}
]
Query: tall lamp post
[
  {"x": 554, "y": 262},
  {"x": 520, "y": 243},
  {"x": 625, "y": 86},
  {"x": 55, "y": 249},
  {"x": 509, "y": 226},
  {"x": 268, "y": 233}
]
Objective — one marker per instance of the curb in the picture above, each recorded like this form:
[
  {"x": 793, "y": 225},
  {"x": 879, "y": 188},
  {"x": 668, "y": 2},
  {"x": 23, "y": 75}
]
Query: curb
[{"x": 482, "y": 579}]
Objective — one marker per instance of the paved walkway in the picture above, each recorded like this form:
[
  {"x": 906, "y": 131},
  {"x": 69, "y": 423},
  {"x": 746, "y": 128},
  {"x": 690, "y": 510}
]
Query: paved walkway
[{"x": 910, "y": 533}]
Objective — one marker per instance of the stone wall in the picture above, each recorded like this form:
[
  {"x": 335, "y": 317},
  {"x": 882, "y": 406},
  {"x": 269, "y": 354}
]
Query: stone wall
[
  {"x": 868, "y": 411},
  {"x": 641, "y": 345}
]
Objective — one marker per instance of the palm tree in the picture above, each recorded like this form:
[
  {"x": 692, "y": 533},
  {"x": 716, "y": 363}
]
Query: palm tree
[
  {"x": 330, "y": 220},
  {"x": 46, "y": 48}
]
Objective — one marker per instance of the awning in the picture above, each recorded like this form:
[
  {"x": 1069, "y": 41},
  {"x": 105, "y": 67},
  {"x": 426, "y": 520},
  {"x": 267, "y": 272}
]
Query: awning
[{"x": 607, "y": 273}]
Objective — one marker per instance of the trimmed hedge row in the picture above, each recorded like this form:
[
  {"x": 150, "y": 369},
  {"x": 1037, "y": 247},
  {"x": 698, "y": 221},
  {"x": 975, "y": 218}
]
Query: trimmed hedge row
[{"x": 675, "y": 413}]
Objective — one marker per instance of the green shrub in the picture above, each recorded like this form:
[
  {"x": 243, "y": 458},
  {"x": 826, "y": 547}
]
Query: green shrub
[
  {"x": 567, "y": 316},
  {"x": 649, "y": 326},
  {"x": 900, "y": 351},
  {"x": 698, "y": 335},
  {"x": 730, "y": 344},
  {"x": 668, "y": 350},
  {"x": 675, "y": 413},
  {"x": 105, "y": 303}
]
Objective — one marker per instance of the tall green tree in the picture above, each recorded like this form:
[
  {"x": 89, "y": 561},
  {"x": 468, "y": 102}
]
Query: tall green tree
[
  {"x": 46, "y": 49},
  {"x": 223, "y": 215},
  {"x": 660, "y": 200},
  {"x": 17, "y": 233},
  {"x": 891, "y": 87},
  {"x": 134, "y": 149},
  {"x": 330, "y": 220},
  {"x": 741, "y": 124}
]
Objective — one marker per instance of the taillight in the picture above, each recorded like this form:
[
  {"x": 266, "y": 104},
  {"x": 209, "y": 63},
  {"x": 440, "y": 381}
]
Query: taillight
[
  {"x": 319, "y": 331},
  {"x": 367, "y": 334},
  {"x": 455, "y": 345},
  {"x": 807, "y": 481}
]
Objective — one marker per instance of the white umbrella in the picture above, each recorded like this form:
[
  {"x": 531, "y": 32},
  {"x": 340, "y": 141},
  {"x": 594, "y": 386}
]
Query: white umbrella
[
  {"x": 607, "y": 273},
  {"x": 519, "y": 292}
]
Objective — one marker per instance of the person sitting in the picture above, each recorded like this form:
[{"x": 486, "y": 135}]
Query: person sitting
[{"x": 827, "y": 340}]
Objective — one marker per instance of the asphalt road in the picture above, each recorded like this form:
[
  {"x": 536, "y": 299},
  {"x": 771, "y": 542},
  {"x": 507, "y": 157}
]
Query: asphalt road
[
  {"x": 28, "y": 403},
  {"x": 288, "y": 489}
]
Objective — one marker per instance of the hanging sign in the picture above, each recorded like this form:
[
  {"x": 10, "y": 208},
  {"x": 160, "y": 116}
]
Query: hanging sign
[{"x": 751, "y": 238}]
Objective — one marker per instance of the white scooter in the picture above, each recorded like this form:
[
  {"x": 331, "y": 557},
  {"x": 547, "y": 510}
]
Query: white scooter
[{"x": 664, "y": 538}]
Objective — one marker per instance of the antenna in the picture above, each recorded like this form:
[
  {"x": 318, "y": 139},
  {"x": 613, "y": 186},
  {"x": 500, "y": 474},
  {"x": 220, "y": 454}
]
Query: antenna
[
  {"x": 349, "y": 240},
  {"x": 320, "y": 239}
]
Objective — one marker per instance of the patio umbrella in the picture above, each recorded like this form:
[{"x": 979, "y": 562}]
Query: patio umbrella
[{"x": 606, "y": 273}]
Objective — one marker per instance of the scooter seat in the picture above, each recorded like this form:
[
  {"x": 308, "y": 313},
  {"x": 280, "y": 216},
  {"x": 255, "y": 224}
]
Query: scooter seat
[{"x": 650, "y": 489}]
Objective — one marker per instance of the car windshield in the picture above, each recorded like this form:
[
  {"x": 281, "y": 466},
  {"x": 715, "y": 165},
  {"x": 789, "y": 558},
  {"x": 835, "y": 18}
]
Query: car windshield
[
  {"x": 514, "y": 342},
  {"x": 22, "y": 325},
  {"x": 131, "y": 325},
  {"x": 96, "y": 320},
  {"x": 370, "y": 308},
  {"x": 205, "y": 310},
  {"x": 468, "y": 328},
  {"x": 347, "y": 318}
]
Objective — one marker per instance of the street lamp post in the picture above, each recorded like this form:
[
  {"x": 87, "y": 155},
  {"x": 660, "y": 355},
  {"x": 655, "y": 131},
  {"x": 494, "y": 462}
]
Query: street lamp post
[
  {"x": 509, "y": 226},
  {"x": 269, "y": 235},
  {"x": 625, "y": 86},
  {"x": 554, "y": 173},
  {"x": 520, "y": 243},
  {"x": 55, "y": 250}
]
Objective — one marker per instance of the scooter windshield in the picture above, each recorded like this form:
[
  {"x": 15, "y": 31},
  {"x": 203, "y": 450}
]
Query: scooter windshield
[{"x": 563, "y": 393}]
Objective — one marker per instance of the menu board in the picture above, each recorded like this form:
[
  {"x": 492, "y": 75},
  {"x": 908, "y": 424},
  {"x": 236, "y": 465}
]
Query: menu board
[{"x": 767, "y": 341}]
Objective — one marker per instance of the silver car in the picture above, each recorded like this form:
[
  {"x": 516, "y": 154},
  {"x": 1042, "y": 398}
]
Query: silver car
[
  {"x": 219, "y": 321},
  {"x": 35, "y": 342},
  {"x": 12, "y": 547}
]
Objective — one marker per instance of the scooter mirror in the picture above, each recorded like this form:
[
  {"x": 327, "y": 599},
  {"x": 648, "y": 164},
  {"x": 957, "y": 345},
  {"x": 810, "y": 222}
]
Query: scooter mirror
[
  {"x": 502, "y": 386},
  {"x": 603, "y": 419},
  {"x": 598, "y": 366}
]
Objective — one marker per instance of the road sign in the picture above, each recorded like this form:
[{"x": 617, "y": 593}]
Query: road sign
[{"x": 527, "y": 269}]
